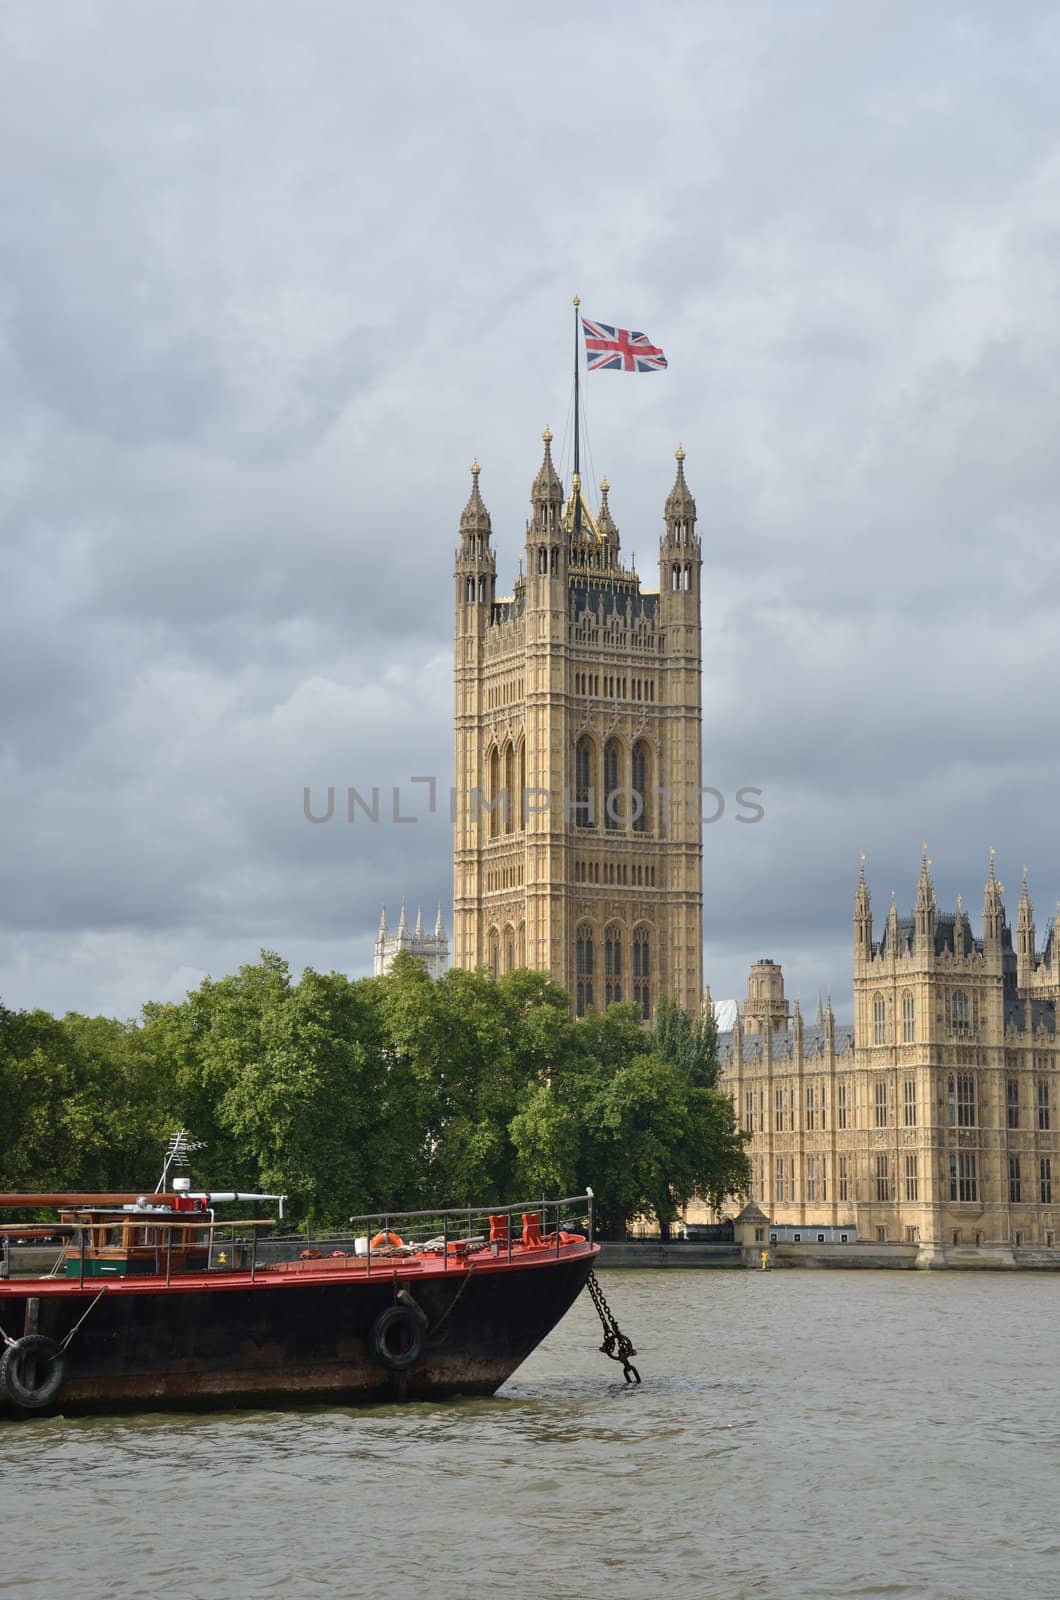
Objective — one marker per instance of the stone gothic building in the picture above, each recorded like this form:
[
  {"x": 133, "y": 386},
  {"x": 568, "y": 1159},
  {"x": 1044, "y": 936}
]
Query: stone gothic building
[
  {"x": 577, "y": 725},
  {"x": 430, "y": 948},
  {"x": 936, "y": 1119}
]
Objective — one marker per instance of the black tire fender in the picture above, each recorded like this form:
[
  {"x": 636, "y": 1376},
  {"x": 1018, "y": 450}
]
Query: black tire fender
[
  {"x": 50, "y": 1375},
  {"x": 399, "y": 1319}
]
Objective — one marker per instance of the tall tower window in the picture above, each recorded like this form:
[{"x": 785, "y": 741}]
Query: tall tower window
[
  {"x": 522, "y": 784},
  {"x": 584, "y": 796},
  {"x": 1012, "y": 1102},
  {"x": 959, "y": 1009},
  {"x": 611, "y": 783},
  {"x": 1045, "y": 1180},
  {"x": 613, "y": 966},
  {"x": 910, "y": 1102},
  {"x": 879, "y": 1020},
  {"x": 908, "y": 1019},
  {"x": 496, "y": 803},
  {"x": 965, "y": 1100},
  {"x": 495, "y": 953},
  {"x": 964, "y": 1182},
  {"x": 911, "y": 1185},
  {"x": 640, "y": 787},
  {"x": 642, "y": 971},
  {"x": 509, "y": 788},
  {"x": 584, "y": 966},
  {"x": 1015, "y": 1185},
  {"x": 509, "y": 948},
  {"x": 1043, "y": 1105}
]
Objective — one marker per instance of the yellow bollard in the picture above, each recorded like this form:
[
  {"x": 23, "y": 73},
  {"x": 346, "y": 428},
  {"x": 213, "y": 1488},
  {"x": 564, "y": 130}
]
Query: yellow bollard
[{"x": 764, "y": 1258}]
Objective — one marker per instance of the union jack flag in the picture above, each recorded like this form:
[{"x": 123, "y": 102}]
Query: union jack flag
[{"x": 619, "y": 350}]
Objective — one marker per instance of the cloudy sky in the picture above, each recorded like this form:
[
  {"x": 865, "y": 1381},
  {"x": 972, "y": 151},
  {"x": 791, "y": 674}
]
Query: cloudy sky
[{"x": 270, "y": 277}]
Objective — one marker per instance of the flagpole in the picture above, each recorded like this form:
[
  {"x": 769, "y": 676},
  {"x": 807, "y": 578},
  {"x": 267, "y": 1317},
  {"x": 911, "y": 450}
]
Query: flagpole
[{"x": 577, "y": 463}]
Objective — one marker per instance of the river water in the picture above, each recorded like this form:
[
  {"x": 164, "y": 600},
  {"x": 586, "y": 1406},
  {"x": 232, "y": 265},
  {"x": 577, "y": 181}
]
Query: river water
[{"x": 797, "y": 1434}]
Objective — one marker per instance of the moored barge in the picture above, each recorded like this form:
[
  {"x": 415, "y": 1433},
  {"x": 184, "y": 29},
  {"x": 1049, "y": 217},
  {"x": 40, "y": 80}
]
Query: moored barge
[{"x": 152, "y": 1303}]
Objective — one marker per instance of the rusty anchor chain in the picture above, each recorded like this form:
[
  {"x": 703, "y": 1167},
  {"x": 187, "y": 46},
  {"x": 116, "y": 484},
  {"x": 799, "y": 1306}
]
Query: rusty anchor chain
[{"x": 616, "y": 1346}]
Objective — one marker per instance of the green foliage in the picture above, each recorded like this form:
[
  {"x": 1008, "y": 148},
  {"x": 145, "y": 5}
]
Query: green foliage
[{"x": 394, "y": 1092}]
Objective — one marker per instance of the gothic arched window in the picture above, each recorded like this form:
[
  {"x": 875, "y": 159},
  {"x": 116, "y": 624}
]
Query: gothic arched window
[
  {"x": 611, "y": 783},
  {"x": 642, "y": 970},
  {"x": 639, "y": 798},
  {"x": 612, "y": 965},
  {"x": 522, "y": 784},
  {"x": 584, "y": 969},
  {"x": 509, "y": 948},
  {"x": 495, "y": 953},
  {"x": 584, "y": 795},
  {"x": 879, "y": 1020},
  {"x": 908, "y": 1019},
  {"x": 959, "y": 1009},
  {"x": 509, "y": 787},
  {"x": 495, "y": 792}
]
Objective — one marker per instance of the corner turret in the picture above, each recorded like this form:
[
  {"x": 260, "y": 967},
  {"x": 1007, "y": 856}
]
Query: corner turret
[{"x": 476, "y": 565}]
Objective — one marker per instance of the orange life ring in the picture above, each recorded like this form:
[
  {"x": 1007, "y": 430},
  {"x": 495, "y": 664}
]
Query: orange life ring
[{"x": 385, "y": 1238}]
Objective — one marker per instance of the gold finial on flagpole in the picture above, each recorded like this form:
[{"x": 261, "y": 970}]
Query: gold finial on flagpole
[{"x": 577, "y": 301}]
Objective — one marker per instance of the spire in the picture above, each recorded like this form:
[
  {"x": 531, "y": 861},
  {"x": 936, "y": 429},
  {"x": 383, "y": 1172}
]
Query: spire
[
  {"x": 403, "y": 922},
  {"x": 1025, "y": 937},
  {"x": 439, "y": 925},
  {"x": 382, "y": 923},
  {"x": 818, "y": 1016},
  {"x": 925, "y": 907},
  {"x": 993, "y": 910},
  {"x": 605, "y": 522},
  {"x": 925, "y": 889},
  {"x": 680, "y": 506},
  {"x": 475, "y": 519},
  {"x": 546, "y": 490},
  {"x": 418, "y": 931},
  {"x": 862, "y": 916}
]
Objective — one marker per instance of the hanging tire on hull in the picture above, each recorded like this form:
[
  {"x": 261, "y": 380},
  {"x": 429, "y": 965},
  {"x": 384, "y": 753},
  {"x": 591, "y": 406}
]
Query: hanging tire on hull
[
  {"x": 37, "y": 1355},
  {"x": 397, "y": 1336}
]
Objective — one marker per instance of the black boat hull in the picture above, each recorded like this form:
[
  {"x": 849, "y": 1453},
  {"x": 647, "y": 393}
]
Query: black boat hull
[{"x": 285, "y": 1339}]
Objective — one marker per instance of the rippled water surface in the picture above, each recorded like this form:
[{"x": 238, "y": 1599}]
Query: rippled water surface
[{"x": 797, "y": 1434}]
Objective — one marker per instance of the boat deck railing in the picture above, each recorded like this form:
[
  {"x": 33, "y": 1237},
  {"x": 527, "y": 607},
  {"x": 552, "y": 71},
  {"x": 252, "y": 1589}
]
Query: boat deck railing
[
  {"x": 379, "y": 1240},
  {"x": 455, "y": 1232}
]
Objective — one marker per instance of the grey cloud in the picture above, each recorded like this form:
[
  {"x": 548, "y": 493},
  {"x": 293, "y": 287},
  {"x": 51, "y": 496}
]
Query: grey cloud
[{"x": 254, "y": 326}]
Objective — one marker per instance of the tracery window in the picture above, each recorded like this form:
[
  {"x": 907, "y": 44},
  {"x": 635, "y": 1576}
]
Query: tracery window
[
  {"x": 911, "y": 1178},
  {"x": 584, "y": 796},
  {"x": 612, "y": 966},
  {"x": 611, "y": 783},
  {"x": 910, "y": 1102},
  {"x": 1015, "y": 1185},
  {"x": 584, "y": 970},
  {"x": 965, "y": 1100},
  {"x": 639, "y": 797},
  {"x": 908, "y": 1019},
  {"x": 959, "y": 1009},
  {"x": 642, "y": 971},
  {"x": 879, "y": 1020}
]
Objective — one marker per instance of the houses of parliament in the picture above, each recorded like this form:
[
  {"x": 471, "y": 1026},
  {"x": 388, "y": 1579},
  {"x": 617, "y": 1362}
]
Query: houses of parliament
[{"x": 935, "y": 1119}]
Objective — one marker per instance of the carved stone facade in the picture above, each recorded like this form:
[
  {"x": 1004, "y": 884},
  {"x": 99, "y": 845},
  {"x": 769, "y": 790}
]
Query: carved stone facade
[
  {"x": 430, "y": 948},
  {"x": 936, "y": 1119},
  {"x": 577, "y": 839}
]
